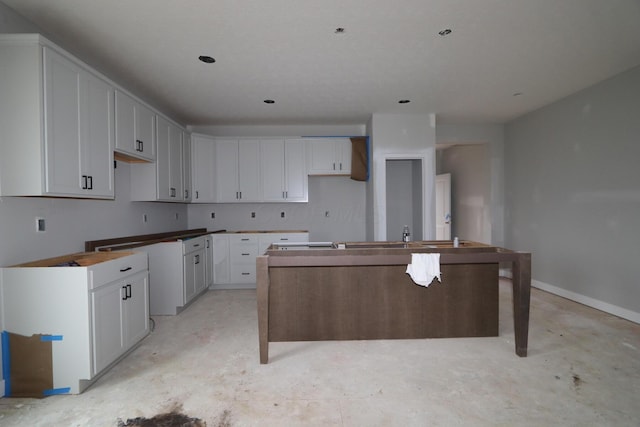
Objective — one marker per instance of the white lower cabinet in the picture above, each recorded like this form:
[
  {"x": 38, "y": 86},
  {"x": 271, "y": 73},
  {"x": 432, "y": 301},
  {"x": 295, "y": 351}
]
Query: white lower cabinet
[
  {"x": 177, "y": 272},
  {"x": 120, "y": 317},
  {"x": 234, "y": 255},
  {"x": 243, "y": 250},
  {"x": 220, "y": 259},
  {"x": 98, "y": 310}
]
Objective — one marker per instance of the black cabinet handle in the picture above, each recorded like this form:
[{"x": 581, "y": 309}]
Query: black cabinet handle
[
  {"x": 197, "y": 258},
  {"x": 246, "y": 274},
  {"x": 128, "y": 291},
  {"x": 139, "y": 145},
  {"x": 124, "y": 297},
  {"x": 122, "y": 270},
  {"x": 245, "y": 254},
  {"x": 196, "y": 245},
  {"x": 173, "y": 192},
  {"x": 186, "y": 194},
  {"x": 197, "y": 194},
  {"x": 90, "y": 186}
]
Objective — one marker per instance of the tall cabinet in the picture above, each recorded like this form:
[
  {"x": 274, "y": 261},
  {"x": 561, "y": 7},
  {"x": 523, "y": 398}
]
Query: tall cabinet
[{"x": 56, "y": 123}]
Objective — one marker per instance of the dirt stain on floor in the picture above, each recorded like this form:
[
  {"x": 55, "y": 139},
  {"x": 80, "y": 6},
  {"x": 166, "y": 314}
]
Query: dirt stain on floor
[{"x": 171, "y": 419}]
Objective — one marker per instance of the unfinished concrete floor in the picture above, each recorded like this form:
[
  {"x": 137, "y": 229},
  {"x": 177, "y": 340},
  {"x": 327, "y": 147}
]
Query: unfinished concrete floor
[{"x": 583, "y": 369}]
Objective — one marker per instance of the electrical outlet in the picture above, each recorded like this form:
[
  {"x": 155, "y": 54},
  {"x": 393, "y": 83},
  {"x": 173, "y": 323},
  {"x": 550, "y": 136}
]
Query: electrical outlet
[
  {"x": 144, "y": 218},
  {"x": 177, "y": 216},
  {"x": 213, "y": 215},
  {"x": 281, "y": 214},
  {"x": 327, "y": 214},
  {"x": 253, "y": 214},
  {"x": 40, "y": 224}
]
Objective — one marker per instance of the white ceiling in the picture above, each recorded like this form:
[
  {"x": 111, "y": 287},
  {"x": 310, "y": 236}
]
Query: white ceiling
[{"x": 288, "y": 51}]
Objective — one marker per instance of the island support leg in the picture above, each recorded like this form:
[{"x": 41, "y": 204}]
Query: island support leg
[
  {"x": 521, "y": 301},
  {"x": 262, "y": 290}
]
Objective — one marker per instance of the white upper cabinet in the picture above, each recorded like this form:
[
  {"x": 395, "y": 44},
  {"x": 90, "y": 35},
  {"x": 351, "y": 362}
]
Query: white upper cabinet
[
  {"x": 56, "y": 123},
  {"x": 187, "y": 190},
  {"x": 164, "y": 179},
  {"x": 169, "y": 163},
  {"x": 329, "y": 156},
  {"x": 237, "y": 171},
  {"x": 203, "y": 165},
  {"x": 135, "y": 128},
  {"x": 284, "y": 176}
]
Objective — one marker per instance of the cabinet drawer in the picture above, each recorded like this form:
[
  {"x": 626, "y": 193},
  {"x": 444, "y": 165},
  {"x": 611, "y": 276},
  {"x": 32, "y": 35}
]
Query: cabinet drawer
[
  {"x": 110, "y": 271},
  {"x": 194, "y": 244},
  {"x": 243, "y": 273},
  {"x": 243, "y": 254},
  {"x": 243, "y": 239}
]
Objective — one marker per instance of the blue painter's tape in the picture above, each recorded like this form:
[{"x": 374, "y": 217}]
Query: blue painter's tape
[
  {"x": 52, "y": 391},
  {"x": 6, "y": 363},
  {"x": 51, "y": 338}
]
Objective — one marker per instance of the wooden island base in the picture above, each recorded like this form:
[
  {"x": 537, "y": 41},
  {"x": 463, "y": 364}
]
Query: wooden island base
[{"x": 363, "y": 292}]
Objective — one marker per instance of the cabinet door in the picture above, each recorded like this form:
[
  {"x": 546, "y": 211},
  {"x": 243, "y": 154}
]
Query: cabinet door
[
  {"x": 221, "y": 265},
  {"x": 250, "y": 185},
  {"x": 145, "y": 132},
  {"x": 108, "y": 341},
  {"x": 296, "y": 180},
  {"x": 176, "y": 164},
  {"x": 208, "y": 258},
  {"x": 136, "y": 309},
  {"x": 343, "y": 156},
  {"x": 227, "y": 170},
  {"x": 187, "y": 192},
  {"x": 273, "y": 170},
  {"x": 203, "y": 157},
  {"x": 169, "y": 162},
  {"x": 97, "y": 134},
  {"x": 320, "y": 156},
  {"x": 125, "y": 124},
  {"x": 62, "y": 124},
  {"x": 135, "y": 131},
  {"x": 194, "y": 272}
]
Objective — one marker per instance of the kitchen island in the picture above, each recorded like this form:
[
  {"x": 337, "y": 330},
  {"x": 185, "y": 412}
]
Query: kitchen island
[{"x": 354, "y": 291}]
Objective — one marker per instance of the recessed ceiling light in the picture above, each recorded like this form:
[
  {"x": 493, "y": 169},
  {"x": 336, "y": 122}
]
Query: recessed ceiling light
[
  {"x": 404, "y": 101},
  {"x": 445, "y": 32},
  {"x": 339, "y": 30},
  {"x": 269, "y": 101},
  {"x": 206, "y": 59}
]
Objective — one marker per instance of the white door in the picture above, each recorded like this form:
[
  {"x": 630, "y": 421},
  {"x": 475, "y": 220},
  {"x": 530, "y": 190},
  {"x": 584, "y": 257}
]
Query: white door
[{"x": 443, "y": 207}]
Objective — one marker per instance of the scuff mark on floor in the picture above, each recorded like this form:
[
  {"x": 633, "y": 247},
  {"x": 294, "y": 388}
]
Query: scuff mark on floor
[{"x": 171, "y": 419}]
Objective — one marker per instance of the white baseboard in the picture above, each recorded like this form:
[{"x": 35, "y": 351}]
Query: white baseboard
[
  {"x": 588, "y": 301},
  {"x": 582, "y": 299}
]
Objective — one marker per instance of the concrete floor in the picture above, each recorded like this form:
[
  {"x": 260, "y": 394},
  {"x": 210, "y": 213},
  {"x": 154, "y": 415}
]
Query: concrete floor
[{"x": 583, "y": 369}]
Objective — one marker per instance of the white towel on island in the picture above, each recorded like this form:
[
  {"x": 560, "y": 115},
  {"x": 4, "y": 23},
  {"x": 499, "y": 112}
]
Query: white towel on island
[{"x": 424, "y": 268}]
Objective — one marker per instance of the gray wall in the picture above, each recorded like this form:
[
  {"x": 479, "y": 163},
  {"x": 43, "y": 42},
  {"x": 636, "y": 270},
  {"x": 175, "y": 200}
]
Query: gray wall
[
  {"x": 342, "y": 197},
  {"x": 573, "y": 194},
  {"x": 470, "y": 190},
  {"x": 401, "y": 136},
  {"x": 493, "y": 136}
]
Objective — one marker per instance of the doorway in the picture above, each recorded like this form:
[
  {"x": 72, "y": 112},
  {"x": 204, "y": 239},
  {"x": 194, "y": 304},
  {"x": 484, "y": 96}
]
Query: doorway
[{"x": 404, "y": 198}]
